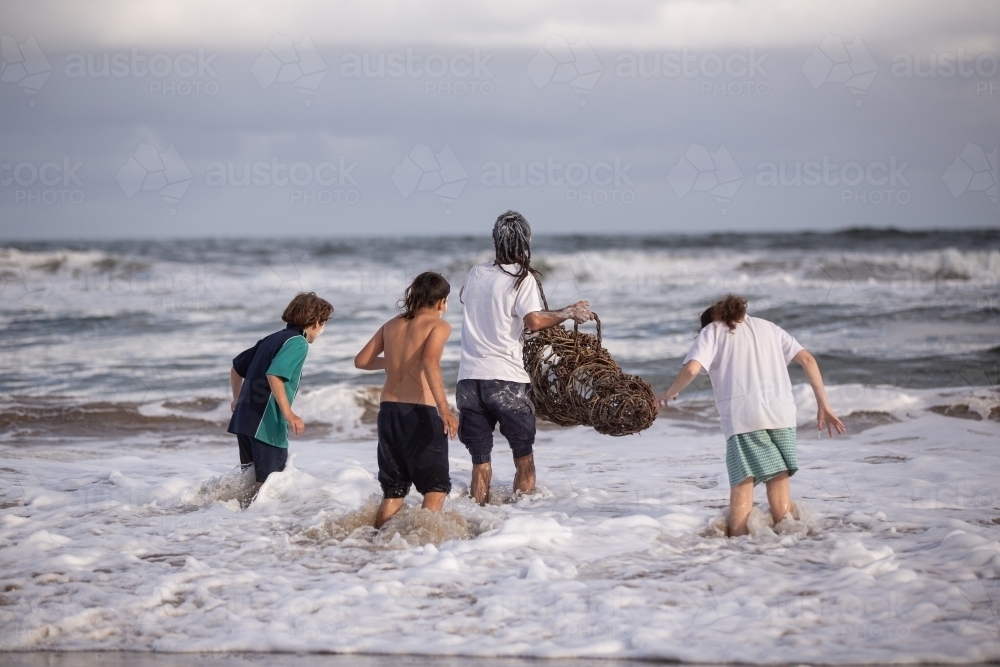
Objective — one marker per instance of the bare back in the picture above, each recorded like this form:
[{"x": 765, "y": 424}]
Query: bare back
[{"x": 405, "y": 342}]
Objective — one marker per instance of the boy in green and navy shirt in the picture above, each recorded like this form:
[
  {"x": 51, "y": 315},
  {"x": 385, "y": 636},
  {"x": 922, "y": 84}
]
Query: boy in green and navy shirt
[{"x": 265, "y": 379}]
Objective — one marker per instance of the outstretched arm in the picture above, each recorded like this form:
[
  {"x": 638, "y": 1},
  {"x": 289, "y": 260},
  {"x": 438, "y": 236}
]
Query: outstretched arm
[
  {"x": 433, "y": 349},
  {"x": 579, "y": 312},
  {"x": 688, "y": 373},
  {"x": 824, "y": 415},
  {"x": 368, "y": 358}
]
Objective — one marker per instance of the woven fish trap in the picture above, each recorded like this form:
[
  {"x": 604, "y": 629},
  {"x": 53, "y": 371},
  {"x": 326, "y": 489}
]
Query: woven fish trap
[{"x": 574, "y": 381}]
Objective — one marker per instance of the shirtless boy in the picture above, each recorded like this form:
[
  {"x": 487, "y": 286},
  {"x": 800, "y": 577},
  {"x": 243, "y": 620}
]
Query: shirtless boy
[{"x": 412, "y": 434}]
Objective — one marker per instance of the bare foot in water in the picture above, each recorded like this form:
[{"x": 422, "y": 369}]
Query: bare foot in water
[
  {"x": 524, "y": 475},
  {"x": 388, "y": 507},
  {"x": 482, "y": 473}
]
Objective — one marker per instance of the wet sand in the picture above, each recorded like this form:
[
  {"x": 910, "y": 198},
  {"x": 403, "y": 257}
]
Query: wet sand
[{"x": 138, "y": 659}]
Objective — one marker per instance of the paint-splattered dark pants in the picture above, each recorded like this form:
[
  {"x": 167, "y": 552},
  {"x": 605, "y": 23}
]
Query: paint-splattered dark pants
[{"x": 484, "y": 403}]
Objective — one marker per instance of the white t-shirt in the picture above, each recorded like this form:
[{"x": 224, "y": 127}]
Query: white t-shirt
[
  {"x": 749, "y": 372},
  {"x": 493, "y": 322}
]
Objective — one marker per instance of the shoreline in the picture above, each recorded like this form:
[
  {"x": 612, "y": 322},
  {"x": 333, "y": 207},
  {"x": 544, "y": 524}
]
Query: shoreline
[{"x": 98, "y": 658}]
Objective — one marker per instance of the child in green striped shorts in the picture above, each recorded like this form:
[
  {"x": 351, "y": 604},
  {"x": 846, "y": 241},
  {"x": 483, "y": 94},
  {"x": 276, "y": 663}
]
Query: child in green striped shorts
[{"x": 747, "y": 360}]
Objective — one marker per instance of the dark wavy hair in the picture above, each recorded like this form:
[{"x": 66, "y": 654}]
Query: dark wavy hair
[
  {"x": 426, "y": 290},
  {"x": 731, "y": 309},
  {"x": 307, "y": 309},
  {"x": 512, "y": 240}
]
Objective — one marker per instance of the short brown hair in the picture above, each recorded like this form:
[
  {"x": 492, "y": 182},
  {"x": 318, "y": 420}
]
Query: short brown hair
[
  {"x": 307, "y": 309},
  {"x": 731, "y": 309}
]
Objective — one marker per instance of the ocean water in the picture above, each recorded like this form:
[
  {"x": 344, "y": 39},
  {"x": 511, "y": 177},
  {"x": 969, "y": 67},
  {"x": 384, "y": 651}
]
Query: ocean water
[{"x": 121, "y": 525}]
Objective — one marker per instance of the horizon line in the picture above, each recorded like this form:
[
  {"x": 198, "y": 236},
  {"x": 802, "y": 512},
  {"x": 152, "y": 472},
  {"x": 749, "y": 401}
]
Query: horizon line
[{"x": 630, "y": 234}]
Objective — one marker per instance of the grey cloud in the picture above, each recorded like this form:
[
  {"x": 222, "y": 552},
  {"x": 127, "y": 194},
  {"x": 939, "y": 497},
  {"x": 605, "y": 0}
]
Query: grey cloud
[{"x": 293, "y": 137}]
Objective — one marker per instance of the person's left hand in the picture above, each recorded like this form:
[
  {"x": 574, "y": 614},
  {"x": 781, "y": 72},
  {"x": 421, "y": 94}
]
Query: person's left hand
[
  {"x": 825, "y": 417},
  {"x": 295, "y": 423},
  {"x": 580, "y": 312}
]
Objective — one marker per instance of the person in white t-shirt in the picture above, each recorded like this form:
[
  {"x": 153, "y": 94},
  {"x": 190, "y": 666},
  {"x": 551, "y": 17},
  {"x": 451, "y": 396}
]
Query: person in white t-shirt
[
  {"x": 747, "y": 360},
  {"x": 502, "y": 299}
]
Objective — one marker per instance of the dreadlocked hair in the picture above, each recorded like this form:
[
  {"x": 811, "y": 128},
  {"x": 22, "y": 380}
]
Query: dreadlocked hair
[
  {"x": 512, "y": 240},
  {"x": 426, "y": 290},
  {"x": 731, "y": 309}
]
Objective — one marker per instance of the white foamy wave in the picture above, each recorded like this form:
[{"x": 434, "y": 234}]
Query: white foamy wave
[
  {"x": 617, "y": 555},
  {"x": 234, "y": 489},
  {"x": 411, "y": 526},
  {"x": 641, "y": 271},
  {"x": 214, "y": 409},
  {"x": 14, "y": 262},
  {"x": 897, "y": 404},
  {"x": 349, "y": 409},
  {"x": 800, "y": 522}
]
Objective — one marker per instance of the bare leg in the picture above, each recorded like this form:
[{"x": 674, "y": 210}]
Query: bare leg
[
  {"x": 740, "y": 504},
  {"x": 524, "y": 475},
  {"x": 779, "y": 496},
  {"x": 434, "y": 501},
  {"x": 482, "y": 473},
  {"x": 388, "y": 507}
]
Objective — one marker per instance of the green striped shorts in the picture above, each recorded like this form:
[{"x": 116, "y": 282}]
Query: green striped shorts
[{"x": 761, "y": 454}]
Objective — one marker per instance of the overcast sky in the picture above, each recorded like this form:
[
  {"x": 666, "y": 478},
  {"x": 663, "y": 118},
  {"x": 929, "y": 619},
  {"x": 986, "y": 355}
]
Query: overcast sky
[{"x": 171, "y": 118}]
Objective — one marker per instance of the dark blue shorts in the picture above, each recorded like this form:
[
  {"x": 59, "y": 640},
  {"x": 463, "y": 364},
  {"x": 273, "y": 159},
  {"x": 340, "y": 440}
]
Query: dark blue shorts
[
  {"x": 482, "y": 404},
  {"x": 412, "y": 448},
  {"x": 265, "y": 458}
]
